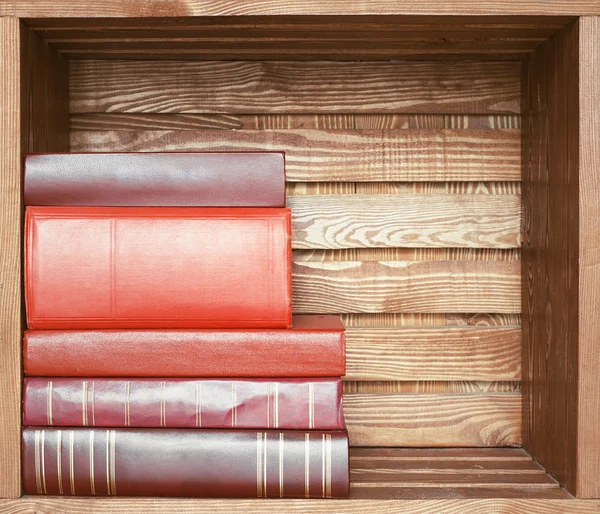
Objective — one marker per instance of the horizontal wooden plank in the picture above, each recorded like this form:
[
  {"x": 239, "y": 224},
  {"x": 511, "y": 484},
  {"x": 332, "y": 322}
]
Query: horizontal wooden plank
[
  {"x": 511, "y": 500},
  {"x": 429, "y": 319},
  {"x": 430, "y": 386},
  {"x": 405, "y": 220},
  {"x": 444, "y": 420},
  {"x": 426, "y": 479},
  {"x": 433, "y": 353},
  {"x": 342, "y": 155},
  {"x": 440, "y": 470},
  {"x": 295, "y": 87},
  {"x": 408, "y": 254},
  {"x": 390, "y": 286},
  {"x": 334, "y": 188},
  {"x": 158, "y": 121},
  {"x": 452, "y": 456}
]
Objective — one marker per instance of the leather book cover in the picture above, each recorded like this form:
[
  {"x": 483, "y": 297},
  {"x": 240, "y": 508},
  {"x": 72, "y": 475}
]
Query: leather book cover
[
  {"x": 182, "y": 403},
  {"x": 192, "y": 462},
  {"x": 157, "y": 267},
  {"x": 244, "y": 179},
  {"x": 313, "y": 347}
]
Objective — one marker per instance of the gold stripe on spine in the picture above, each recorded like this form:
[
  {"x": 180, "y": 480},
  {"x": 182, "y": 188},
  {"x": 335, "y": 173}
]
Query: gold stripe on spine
[
  {"x": 43, "y": 461},
  {"x": 92, "y": 483},
  {"x": 323, "y": 465},
  {"x": 94, "y": 403},
  {"x": 108, "y": 463},
  {"x": 281, "y": 465},
  {"x": 311, "y": 405},
  {"x": 113, "y": 451},
  {"x": 49, "y": 403},
  {"x": 265, "y": 462},
  {"x": 84, "y": 395},
  {"x": 259, "y": 465},
  {"x": 72, "y": 461},
  {"x": 198, "y": 404},
  {"x": 127, "y": 400},
  {"x": 307, "y": 465},
  {"x": 234, "y": 405},
  {"x": 59, "y": 460},
  {"x": 163, "y": 414},
  {"x": 276, "y": 405},
  {"x": 328, "y": 483},
  {"x": 36, "y": 458}
]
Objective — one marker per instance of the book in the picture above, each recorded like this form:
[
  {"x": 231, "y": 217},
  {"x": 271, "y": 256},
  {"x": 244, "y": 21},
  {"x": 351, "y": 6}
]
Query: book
[
  {"x": 244, "y": 179},
  {"x": 192, "y": 462},
  {"x": 313, "y": 347},
  {"x": 302, "y": 404},
  {"x": 157, "y": 267}
]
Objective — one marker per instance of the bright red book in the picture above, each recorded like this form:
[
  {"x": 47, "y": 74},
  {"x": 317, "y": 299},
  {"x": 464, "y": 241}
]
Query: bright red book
[
  {"x": 184, "y": 403},
  {"x": 150, "y": 267},
  {"x": 192, "y": 462},
  {"x": 240, "y": 179},
  {"x": 313, "y": 347}
]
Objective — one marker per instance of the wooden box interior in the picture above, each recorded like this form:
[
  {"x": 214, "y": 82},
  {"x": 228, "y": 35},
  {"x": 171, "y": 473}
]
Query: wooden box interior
[{"x": 416, "y": 149}]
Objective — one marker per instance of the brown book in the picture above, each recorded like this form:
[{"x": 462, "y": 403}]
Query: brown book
[
  {"x": 245, "y": 179},
  {"x": 192, "y": 462}
]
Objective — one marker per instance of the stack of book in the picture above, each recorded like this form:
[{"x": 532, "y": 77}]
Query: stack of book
[{"x": 161, "y": 357}]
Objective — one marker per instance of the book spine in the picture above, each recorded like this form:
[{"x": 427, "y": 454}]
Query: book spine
[
  {"x": 254, "y": 179},
  {"x": 134, "y": 267},
  {"x": 204, "y": 463},
  {"x": 184, "y": 353},
  {"x": 177, "y": 403}
]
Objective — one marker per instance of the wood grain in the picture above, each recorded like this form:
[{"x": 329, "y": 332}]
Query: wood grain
[
  {"x": 512, "y": 500},
  {"x": 301, "y": 87},
  {"x": 430, "y": 319},
  {"x": 408, "y": 254},
  {"x": 389, "y": 286},
  {"x": 426, "y": 220},
  {"x": 156, "y": 8},
  {"x": 588, "y": 434},
  {"x": 424, "y": 386},
  {"x": 157, "y": 121},
  {"x": 11, "y": 127},
  {"x": 444, "y": 420},
  {"x": 452, "y": 456},
  {"x": 342, "y": 155},
  {"x": 496, "y": 188},
  {"x": 433, "y": 353}
]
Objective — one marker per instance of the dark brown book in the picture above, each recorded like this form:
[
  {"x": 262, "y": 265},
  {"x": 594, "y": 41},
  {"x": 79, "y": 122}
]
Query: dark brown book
[
  {"x": 186, "y": 462},
  {"x": 299, "y": 404},
  {"x": 246, "y": 179}
]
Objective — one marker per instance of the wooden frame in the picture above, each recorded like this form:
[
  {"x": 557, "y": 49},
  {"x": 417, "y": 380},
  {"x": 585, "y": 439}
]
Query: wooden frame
[{"x": 561, "y": 198}]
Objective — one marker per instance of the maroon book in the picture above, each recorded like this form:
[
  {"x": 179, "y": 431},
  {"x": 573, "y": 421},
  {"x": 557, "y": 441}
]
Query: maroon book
[
  {"x": 192, "y": 462},
  {"x": 180, "y": 403},
  {"x": 313, "y": 347},
  {"x": 156, "y": 179}
]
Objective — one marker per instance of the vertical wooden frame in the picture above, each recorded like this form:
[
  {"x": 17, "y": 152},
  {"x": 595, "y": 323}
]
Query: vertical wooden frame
[{"x": 561, "y": 257}]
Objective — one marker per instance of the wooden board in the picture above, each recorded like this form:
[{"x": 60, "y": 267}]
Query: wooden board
[
  {"x": 433, "y": 353},
  {"x": 338, "y": 155},
  {"x": 301, "y": 87},
  {"x": 429, "y": 386},
  {"x": 157, "y": 8},
  {"x": 444, "y": 420},
  {"x": 395, "y": 286}
]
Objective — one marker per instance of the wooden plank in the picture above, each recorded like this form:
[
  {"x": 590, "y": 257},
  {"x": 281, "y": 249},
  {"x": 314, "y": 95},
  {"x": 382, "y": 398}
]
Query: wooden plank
[
  {"x": 299, "y": 87},
  {"x": 433, "y": 353},
  {"x": 157, "y": 121},
  {"x": 496, "y": 188},
  {"x": 421, "y": 420},
  {"x": 428, "y": 386},
  {"x": 342, "y": 155},
  {"x": 451, "y": 455},
  {"x": 492, "y": 494},
  {"x": 427, "y": 479},
  {"x": 430, "y": 319},
  {"x": 380, "y": 500},
  {"x": 11, "y": 126},
  {"x": 388, "y": 286},
  {"x": 426, "y": 220},
  {"x": 588, "y": 288},
  {"x": 408, "y": 254},
  {"x": 157, "y": 8},
  {"x": 396, "y": 469}
]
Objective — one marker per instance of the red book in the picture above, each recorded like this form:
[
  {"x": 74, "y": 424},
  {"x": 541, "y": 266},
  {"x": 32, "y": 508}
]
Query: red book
[
  {"x": 168, "y": 267},
  {"x": 181, "y": 403},
  {"x": 208, "y": 463},
  {"x": 156, "y": 179},
  {"x": 313, "y": 347}
]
